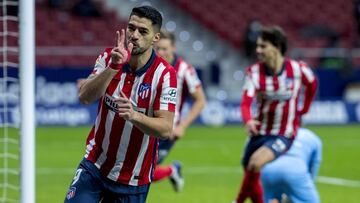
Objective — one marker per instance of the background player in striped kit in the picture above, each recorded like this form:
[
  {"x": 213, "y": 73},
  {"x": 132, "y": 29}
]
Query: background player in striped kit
[
  {"x": 189, "y": 85},
  {"x": 136, "y": 90},
  {"x": 294, "y": 173},
  {"x": 276, "y": 81}
]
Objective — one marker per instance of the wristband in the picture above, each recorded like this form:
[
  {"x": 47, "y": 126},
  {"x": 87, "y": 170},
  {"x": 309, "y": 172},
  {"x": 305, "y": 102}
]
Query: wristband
[
  {"x": 119, "y": 66},
  {"x": 115, "y": 66}
]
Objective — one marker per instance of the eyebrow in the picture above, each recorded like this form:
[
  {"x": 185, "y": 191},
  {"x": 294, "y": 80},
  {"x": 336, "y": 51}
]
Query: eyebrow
[{"x": 138, "y": 27}]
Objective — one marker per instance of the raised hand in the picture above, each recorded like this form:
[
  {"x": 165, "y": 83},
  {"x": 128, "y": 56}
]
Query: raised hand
[{"x": 121, "y": 53}]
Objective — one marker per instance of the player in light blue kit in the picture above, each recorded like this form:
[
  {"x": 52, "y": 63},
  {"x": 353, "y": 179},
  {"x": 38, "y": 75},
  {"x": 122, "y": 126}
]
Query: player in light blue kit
[{"x": 294, "y": 173}]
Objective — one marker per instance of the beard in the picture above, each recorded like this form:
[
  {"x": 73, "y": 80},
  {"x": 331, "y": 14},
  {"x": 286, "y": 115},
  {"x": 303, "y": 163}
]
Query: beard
[{"x": 138, "y": 51}]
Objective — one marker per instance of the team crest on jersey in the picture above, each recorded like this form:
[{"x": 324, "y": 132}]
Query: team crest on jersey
[
  {"x": 71, "y": 193},
  {"x": 144, "y": 90},
  {"x": 289, "y": 83}
]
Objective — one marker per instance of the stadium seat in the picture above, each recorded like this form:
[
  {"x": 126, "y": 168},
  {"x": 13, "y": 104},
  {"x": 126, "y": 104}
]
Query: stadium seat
[{"x": 230, "y": 15}]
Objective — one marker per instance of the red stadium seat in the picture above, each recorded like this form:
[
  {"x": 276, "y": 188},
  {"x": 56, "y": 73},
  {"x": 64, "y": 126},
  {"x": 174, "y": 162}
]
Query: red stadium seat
[
  {"x": 61, "y": 28},
  {"x": 291, "y": 15}
]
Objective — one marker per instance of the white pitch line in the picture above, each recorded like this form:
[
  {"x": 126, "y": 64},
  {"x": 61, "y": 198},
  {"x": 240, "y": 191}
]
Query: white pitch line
[
  {"x": 338, "y": 181},
  {"x": 212, "y": 170}
]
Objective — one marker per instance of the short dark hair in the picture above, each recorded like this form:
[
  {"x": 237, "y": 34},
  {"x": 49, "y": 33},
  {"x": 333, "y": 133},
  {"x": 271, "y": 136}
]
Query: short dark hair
[
  {"x": 150, "y": 13},
  {"x": 276, "y": 36},
  {"x": 164, "y": 34}
]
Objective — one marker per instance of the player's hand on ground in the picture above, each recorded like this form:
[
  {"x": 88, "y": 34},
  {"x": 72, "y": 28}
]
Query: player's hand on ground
[
  {"x": 251, "y": 127},
  {"x": 121, "y": 53},
  {"x": 124, "y": 107},
  {"x": 178, "y": 132}
]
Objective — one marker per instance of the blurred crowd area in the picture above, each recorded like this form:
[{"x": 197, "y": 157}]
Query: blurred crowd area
[{"x": 216, "y": 37}]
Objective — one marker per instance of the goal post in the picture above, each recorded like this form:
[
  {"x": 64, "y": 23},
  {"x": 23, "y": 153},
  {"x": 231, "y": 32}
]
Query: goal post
[{"x": 27, "y": 99}]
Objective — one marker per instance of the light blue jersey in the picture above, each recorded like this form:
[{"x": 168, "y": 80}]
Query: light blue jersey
[{"x": 294, "y": 173}]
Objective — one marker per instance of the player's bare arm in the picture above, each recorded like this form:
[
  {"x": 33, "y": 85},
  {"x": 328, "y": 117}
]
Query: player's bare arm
[
  {"x": 199, "y": 103},
  {"x": 160, "y": 125},
  {"x": 95, "y": 86}
]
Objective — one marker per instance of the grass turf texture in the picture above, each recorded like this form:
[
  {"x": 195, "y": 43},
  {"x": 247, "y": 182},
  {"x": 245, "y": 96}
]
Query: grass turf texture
[{"x": 211, "y": 158}]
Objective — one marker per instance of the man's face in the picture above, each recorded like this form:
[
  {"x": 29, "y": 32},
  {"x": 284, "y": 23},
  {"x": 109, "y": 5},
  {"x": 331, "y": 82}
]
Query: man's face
[
  {"x": 141, "y": 34},
  {"x": 265, "y": 50},
  {"x": 166, "y": 49}
]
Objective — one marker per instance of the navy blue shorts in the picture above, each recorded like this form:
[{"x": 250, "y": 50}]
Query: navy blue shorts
[
  {"x": 90, "y": 186},
  {"x": 164, "y": 149},
  {"x": 277, "y": 144}
]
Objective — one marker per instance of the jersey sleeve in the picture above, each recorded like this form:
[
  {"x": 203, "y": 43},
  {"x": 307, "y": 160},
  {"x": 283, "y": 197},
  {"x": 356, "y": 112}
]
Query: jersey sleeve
[
  {"x": 309, "y": 80},
  {"x": 101, "y": 62},
  {"x": 191, "y": 78},
  {"x": 248, "y": 94},
  {"x": 166, "y": 95}
]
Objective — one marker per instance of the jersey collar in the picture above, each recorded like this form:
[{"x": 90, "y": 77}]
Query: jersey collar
[{"x": 143, "y": 69}]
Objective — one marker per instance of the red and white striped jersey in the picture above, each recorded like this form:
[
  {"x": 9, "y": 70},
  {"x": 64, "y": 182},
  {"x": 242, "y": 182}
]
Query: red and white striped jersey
[
  {"x": 278, "y": 96},
  {"x": 121, "y": 151},
  {"x": 187, "y": 81}
]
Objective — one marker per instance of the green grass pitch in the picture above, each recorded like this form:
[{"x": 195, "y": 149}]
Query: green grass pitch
[{"x": 211, "y": 159}]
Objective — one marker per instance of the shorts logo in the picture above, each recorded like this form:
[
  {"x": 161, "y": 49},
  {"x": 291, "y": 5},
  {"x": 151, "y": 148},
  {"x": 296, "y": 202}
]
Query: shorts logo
[
  {"x": 278, "y": 145},
  {"x": 71, "y": 193},
  {"x": 144, "y": 90}
]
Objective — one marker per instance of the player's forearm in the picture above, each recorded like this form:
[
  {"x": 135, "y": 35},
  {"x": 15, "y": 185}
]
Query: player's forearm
[
  {"x": 194, "y": 112},
  {"x": 160, "y": 127},
  {"x": 95, "y": 87},
  {"x": 309, "y": 96}
]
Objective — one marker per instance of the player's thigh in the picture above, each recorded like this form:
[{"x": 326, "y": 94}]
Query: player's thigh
[
  {"x": 272, "y": 148},
  {"x": 261, "y": 156},
  {"x": 253, "y": 143},
  {"x": 303, "y": 191},
  {"x": 164, "y": 148},
  {"x": 84, "y": 188}
]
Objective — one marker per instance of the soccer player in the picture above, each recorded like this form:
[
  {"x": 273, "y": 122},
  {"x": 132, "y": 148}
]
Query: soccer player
[
  {"x": 294, "y": 173},
  {"x": 276, "y": 82},
  {"x": 189, "y": 85},
  {"x": 136, "y": 90}
]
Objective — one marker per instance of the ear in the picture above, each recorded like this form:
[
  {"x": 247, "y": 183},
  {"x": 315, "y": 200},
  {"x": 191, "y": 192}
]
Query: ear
[{"x": 156, "y": 37}]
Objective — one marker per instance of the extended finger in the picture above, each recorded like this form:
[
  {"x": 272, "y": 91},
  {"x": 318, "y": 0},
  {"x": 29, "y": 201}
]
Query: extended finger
[
  {"x": 122, "y": 38},
  {"x": 121, "y": 100},
  {"x": 130, "y": 47},
  {"x": 124, "y": 106},
  {"x": 117, "y": 41},
  {"x": 123, "y": 94}
]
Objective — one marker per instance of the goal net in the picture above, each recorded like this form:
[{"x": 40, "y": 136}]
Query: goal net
[
  {"x": 9, "y": 103},
  {"x": 16, "y": 84}
]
